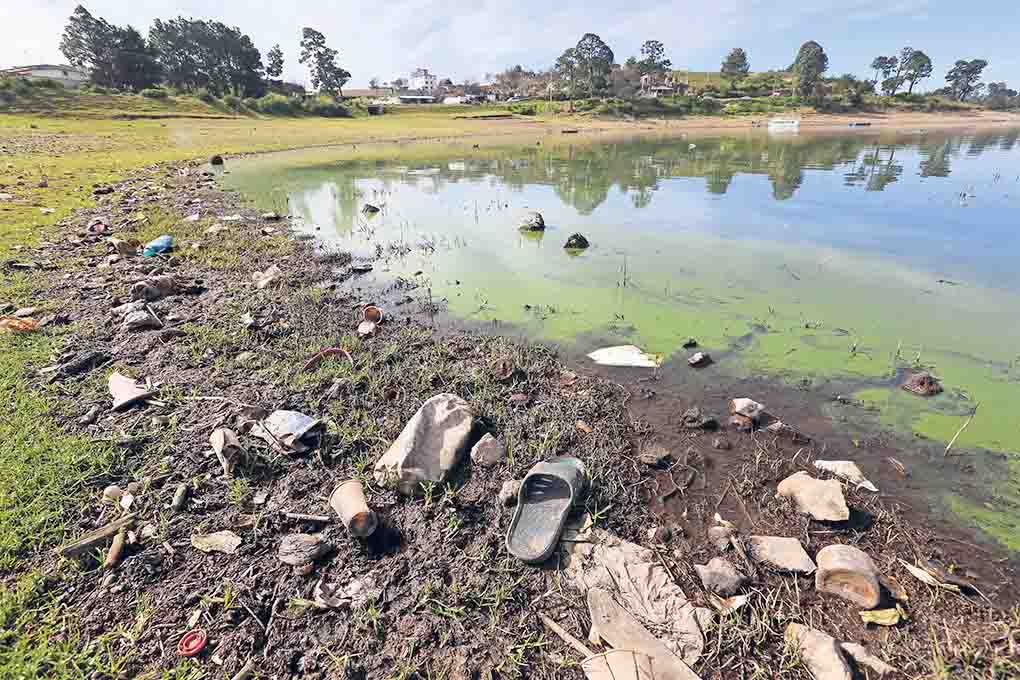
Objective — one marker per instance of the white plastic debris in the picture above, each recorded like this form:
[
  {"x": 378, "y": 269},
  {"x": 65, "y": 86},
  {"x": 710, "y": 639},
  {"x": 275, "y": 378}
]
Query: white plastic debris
[
  {"x": 847, "y": 470},
  {"x": 625, "y": 355}
]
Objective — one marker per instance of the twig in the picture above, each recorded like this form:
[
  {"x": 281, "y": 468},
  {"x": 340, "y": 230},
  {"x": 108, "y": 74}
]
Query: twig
[
  {"x": 311, "y": 518},
  {"x": 89, "y": 540},
  {"x": 245, "y": 671},
  {"x": 565, "y": 636},
  {"x": 960, "y": 431}
]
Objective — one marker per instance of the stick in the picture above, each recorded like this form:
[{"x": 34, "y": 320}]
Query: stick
[
  {"x": 565, "y": 636},
  {"x": 960, "y": 431},
  {"x": 116, "y": 548},
  {"x": 98, "y": 536},
  {"x": 311, "y": 518},
  {"x": 245, "y": 671}
]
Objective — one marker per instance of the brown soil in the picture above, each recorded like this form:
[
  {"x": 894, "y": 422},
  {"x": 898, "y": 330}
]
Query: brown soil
[{"x": 453, "y": 603}]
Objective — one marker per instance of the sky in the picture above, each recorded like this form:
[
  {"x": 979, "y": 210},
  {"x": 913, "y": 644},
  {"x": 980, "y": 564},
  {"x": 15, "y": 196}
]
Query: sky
[{"x": 466, "y": 39}]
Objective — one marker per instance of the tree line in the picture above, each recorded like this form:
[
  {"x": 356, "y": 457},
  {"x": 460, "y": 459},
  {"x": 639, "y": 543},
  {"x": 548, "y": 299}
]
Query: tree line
[{"x": 191, "y": 55}]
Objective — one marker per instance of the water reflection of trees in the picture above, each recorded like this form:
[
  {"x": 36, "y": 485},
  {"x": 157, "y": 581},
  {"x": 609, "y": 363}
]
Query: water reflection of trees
[{"x": 583, "y": 176}]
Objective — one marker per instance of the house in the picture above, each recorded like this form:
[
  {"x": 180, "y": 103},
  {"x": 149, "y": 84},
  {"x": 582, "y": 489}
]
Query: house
[
  {"x": 668, "y": 86},
  {"x": 423, "y": 81},
  {"x": 68, "y": 76}
]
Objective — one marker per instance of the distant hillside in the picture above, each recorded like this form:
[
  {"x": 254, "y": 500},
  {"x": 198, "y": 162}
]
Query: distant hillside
[{"x": 17, "y": 97}]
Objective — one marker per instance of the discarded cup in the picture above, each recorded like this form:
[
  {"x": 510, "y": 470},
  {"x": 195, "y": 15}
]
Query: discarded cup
[
  {"x": 348, "y": 500},
  {"x": 372, "y": 313}
]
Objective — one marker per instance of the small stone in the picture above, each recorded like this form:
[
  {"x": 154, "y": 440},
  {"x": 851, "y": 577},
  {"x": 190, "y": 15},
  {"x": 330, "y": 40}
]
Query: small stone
[
  {"x": 720, "y": 577},
  {"x": 821, "y": 499},
  {"x": 690, "y": 343},
  {"x": 721, "y": 444},
  {"x": 862, "y": 657},
  {"x": 746, "y": 407},
  {"x": 849, "y": 573},
  {"x": 654, "y": 455},
  {"x": 221, "y": 541},
  {"x": 271, "y": 216},
  {"x": 508, "y": 493},
  {"x": 532, "y": 221},
  {"x": 576, "y": 242},
  {"x": 694, "y": 419},
  {"x": 488, "y": 452},
  {"x": 785, "y": 554},
  {"x": 298, "y": 550},
  {"x": 720, "y": 537},
  {"x": 820, "y": 653},
  {"x": 216, "y": 160},
  {"x": 923, "y": 384},
  {"x": 699, "y": 359}
]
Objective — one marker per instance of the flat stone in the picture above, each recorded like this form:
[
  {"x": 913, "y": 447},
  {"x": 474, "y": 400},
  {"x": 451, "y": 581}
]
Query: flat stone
[
  {"x": 785, "y": 554},
  {"x": 221, "y": 541},
  {"x": 862, "y": 657},
  {"x": 849, "y": 573},
  {"x": 508, "y": 493},
  {"x": 746, "y": 407},
  {"x": 699, "y": 359},
  {"x": 821, "y": 499},
  {"x": 720, "y": 577},
  {"x": 488, "y": 452},
  {"x": 430, "y": 446},
  {"x": 721, "y": 444},
  {"x": 300, "y": 549},
  {"x": 820, "y": 653},
  {"x": 720, "y": 537}
]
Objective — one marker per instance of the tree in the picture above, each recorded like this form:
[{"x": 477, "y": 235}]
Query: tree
[
  {"x": 594, "y": 61},
  {"x": 918, "y": 68},
  {"x": 196, "y": 54},
  {"x": 566, "y": 69},
  {"x": 87, "y": 42},
  {"x": 275, "y": 58},
  {"x": 884, "y": 66},
  {"x": 964, "y": 76},
  {"x": 327, "y": 76},
  {"x": 808, "y": 67},
  {"x": 735, "y": 67},
  {"x": 134, "y": 61},
  {"x": 654, "y": 58}
]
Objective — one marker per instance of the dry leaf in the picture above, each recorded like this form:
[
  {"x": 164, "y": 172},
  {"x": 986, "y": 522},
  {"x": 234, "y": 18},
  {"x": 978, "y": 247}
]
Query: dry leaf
[{"x": 583, "y": 426}]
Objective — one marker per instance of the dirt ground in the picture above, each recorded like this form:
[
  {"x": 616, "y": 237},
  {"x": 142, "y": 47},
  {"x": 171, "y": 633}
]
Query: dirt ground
[{"x": 446, "y": 601}]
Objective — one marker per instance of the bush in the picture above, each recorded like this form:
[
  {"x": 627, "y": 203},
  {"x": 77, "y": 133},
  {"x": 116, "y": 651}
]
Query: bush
[
  {"x": 205, "y": 95},
  {"x": 523, "y": 109},
  {"x": 326, "y": 107},
  {"x": 22, "y": 86},
  {"x": 155, "y": 93},
  {"x": 251, "y": 103},
  {"x": 48, "y": 84},
  {"x": 232, "y": 102},
  {"x": 99, "y": 89},
  {"x": 275, "y": 105}
]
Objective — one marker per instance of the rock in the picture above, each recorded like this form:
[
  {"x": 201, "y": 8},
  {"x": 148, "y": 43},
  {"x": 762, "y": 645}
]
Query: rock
[
  {"x": 923, "y": 383},
  {"x": 847, "y": 470},
  {"x": 785, "y": 554},
  {"x": 576, "y": 242},
  {"x": 699, "y": 359},
  {"x": 140, "y": 320},
  {"x": 508, "y": 493},
  {"x": 655, "y": 455},
  {"x": 24, "y": 312},
  {"x": 862, "y": 657},
  {"x": 848, "y": 572},
  {"x": 369, "y": 209},
  {"x": 102, "y": 191},
  {"x": 216, "y": 160},
  {"x": 300, "y": 549},
  {"x": 720, "y": 537},
  {"x": 430, "y": 446},
  {"x": 720, "y": 577},
  {"x": 154, "y": 288},
  {"x": 221, "y": 541},
  {"x": 531, "y": 221},
  {"x": 271, "y": 216},
  {"x": 267, "y": 278},
  {"x": 694, "y": 419},
  {"x": 721, "y": 444},
  {"x": 821, "y": 499},
  {"x": 820, "y": 653},
  {"x": 741, "y": 423},
  {"x": 690, "y": 343},
  {"x": 746, "y": 407},
  {"x": 488, "y": 452}
]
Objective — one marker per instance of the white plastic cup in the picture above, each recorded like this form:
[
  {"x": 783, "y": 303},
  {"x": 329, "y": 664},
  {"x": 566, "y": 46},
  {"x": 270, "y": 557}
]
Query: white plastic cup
[{"x": 348, "y": 501}]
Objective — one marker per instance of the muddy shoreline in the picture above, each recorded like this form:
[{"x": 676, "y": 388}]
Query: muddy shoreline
[{"x": 213, "y": 365}]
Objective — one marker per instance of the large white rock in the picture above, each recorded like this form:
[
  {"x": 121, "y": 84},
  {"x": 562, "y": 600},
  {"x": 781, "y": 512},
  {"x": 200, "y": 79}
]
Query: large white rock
[
  {"x": 820, "y": 653},
  {"x": 847, "y": 470},
  {"x": 785, "y": 554},
  {"x": 821, "y": 499},
  {"x": 848, "y": 572},
  {"x": 430, "y": 446}
]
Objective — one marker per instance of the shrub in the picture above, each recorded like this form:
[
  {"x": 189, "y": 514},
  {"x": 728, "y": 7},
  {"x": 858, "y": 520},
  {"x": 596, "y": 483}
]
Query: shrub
[
  {"x": 99, "y": 89},
  {"x": 232, "y": 101},
  {"x": 326, "y": 107},
  {"x": 155, "y": 93},
  {"x": 251, "y": 103},
  {"x": 22, "y": 87},
  {"x": 523, "y": 109},
  {"x": 48, "y": 84},
  {"x": 274, "y": 105},
  {"x": 205, "y": 95}
]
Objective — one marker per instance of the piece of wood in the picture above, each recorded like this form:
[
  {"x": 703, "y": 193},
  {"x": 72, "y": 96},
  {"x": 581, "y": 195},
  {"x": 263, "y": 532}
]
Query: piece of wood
[
  {"x": 116, "y": 548},
  {"x": 245, "y": 671},
  {"x": 960, "y": 431},
  {"x": 93, "y": 538},
  {"x": 565, "y": 636}
]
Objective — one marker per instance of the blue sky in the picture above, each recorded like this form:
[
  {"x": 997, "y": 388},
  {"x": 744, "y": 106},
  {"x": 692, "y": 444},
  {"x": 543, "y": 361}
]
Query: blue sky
[{"x": 468, "y": 38}]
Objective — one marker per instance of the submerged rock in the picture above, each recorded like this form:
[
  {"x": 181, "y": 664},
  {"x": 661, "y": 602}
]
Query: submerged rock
[
  {"x": 577, "y": 242},
  {"x": 923, "y": 383},
  {"x": 531, "y": 221}
]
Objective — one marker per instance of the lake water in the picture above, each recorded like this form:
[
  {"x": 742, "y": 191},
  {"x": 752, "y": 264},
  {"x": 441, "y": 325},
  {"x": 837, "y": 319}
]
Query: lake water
[{"x": 821, "y": 260}]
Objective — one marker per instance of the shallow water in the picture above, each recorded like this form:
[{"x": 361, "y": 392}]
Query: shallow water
[{"x": 837, "y": 260}]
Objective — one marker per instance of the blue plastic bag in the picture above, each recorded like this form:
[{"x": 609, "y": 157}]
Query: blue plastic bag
[{"x": 158, "y": 245}]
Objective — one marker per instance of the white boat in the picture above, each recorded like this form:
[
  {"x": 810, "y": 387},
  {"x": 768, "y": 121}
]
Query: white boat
[{"x": 784, "y": 124}]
